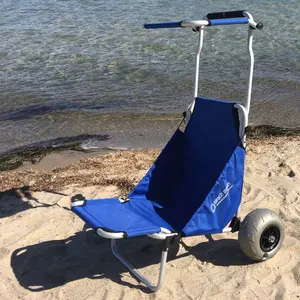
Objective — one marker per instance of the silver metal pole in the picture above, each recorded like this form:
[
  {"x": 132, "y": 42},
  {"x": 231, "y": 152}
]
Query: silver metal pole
[
  {"x": 251, "y": 67},
  {"x": 136, "y": 273},
  {"x": 199, "y": 48}
]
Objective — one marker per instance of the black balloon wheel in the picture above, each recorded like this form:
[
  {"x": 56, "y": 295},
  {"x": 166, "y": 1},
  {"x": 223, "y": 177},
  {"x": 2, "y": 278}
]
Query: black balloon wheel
[{"x": 269, "y": 238}]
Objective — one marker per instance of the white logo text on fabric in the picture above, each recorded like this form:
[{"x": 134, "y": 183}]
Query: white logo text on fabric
[{"x": 222, "y": 196}]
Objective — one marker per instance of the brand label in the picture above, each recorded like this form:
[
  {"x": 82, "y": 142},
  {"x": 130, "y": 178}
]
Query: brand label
[{"x": 222, "y": 196}]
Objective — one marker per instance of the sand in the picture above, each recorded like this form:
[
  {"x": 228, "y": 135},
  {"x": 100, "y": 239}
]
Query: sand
[{"x": 47, "y": 253}]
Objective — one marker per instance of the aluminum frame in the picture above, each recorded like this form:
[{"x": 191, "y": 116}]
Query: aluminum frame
[
  {"x": 163, "y": 260},
  {"x": 136, "y": 273},
  {"x": 164, "y": 234},
  {"x": 244, "y": 109},
  {"x": 244, "y": 112}
]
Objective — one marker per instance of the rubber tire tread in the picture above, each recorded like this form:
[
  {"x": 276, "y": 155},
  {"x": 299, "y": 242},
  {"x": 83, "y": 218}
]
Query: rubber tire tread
[{"x": 251, "y": 230}]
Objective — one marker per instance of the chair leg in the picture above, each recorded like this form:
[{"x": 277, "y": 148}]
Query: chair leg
[{"x": 135, "y": 272}]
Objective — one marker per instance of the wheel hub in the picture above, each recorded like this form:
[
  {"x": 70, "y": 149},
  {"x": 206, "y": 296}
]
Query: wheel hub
[
  {"x": 272, "y": 239},
  {"x": 269, "y": 238}
]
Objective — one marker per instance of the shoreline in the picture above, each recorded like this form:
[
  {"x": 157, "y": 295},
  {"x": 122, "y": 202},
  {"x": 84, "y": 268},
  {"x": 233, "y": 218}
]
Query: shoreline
[
  {"x": 47, "y": 171},
  {"x": 72, "y": 149}
]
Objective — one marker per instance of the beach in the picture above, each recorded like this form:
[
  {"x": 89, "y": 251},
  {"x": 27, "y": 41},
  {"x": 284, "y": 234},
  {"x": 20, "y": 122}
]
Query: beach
[
  {"x": 88, "y": 99},
  {"x": 46, "y": 252}
]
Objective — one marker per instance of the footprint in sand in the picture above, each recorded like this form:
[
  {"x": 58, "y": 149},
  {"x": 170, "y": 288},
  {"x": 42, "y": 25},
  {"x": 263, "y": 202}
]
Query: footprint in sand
[
  {"x": 3, "y": 252},
  {"x": 286, "y": 170},
  {"x": 296, "y": 273}
]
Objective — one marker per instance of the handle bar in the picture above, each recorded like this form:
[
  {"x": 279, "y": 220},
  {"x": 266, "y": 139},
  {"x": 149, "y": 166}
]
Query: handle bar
[
  {"x": 213, "y": 19},
  {"x": 162, "y": 25},
  {"x": 230, "y": 21},
  {"x": 226, "y": 15}
]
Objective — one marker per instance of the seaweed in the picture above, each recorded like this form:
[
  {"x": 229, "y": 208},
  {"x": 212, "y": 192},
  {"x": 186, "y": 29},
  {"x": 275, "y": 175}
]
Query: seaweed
[{"x": 15, "y": 158}]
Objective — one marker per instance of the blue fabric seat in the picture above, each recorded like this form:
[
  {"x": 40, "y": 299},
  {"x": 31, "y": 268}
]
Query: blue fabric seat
[
  {"x": 193, "y": 188},
  {"x": 132, "y": 217}
]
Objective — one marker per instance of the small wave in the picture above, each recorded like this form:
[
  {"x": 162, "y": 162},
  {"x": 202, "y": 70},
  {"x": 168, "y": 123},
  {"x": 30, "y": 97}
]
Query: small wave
[
  {"x": 96, "y": 144},
  {"x": 43, "y": 109}
]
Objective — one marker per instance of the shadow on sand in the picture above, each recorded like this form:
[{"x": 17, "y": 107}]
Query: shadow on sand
[
  {"x": 16, "y": 200},
  {"x": 85, "y": 255}
]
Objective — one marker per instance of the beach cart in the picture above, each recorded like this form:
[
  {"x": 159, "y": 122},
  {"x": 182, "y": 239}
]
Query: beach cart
[{"x": 195, "y": 185}]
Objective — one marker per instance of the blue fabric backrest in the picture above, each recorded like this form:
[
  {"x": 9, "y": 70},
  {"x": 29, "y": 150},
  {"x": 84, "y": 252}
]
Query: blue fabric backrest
[
  {"x": 189, "y": 167},
  {"x": 160, "y": 182},
  {"x": 210, "y": 139}
]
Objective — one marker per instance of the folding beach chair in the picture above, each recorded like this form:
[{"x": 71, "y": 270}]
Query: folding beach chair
[{"x": 195, "y": 185}]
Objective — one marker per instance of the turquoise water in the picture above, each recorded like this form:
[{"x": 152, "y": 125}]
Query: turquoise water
[{"x": 66, "y": 64}]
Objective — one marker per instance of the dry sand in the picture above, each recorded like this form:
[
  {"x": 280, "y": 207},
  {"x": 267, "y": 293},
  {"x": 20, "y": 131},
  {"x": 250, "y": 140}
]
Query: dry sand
[{"x": 44, "y": 254}]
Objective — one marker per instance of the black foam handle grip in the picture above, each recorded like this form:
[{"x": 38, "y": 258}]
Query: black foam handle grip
[{"x": 226, "y": 15}]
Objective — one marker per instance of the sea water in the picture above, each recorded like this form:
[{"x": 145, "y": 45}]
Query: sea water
[{"x": 77, "y": 67}]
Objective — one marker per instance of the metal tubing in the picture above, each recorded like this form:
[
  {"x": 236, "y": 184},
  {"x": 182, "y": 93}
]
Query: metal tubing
[
  {"x": 160, "y": 235},
  {"x": 227, "y": 229},
  {"x": 243, "y": 122},
  {"x": 77, "y": 203},
  {"x": 110, "y": 235},
  {"x": 238, "y": 212},
  {"x": 251, "y": 67},
  {"x": 252, "y": 23},
  {"x": 199, "y": 48},
  {"x": 136, "y": 273},
  {"x": 190, "y": 108},
  {"x": 194, "y": 23}
]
